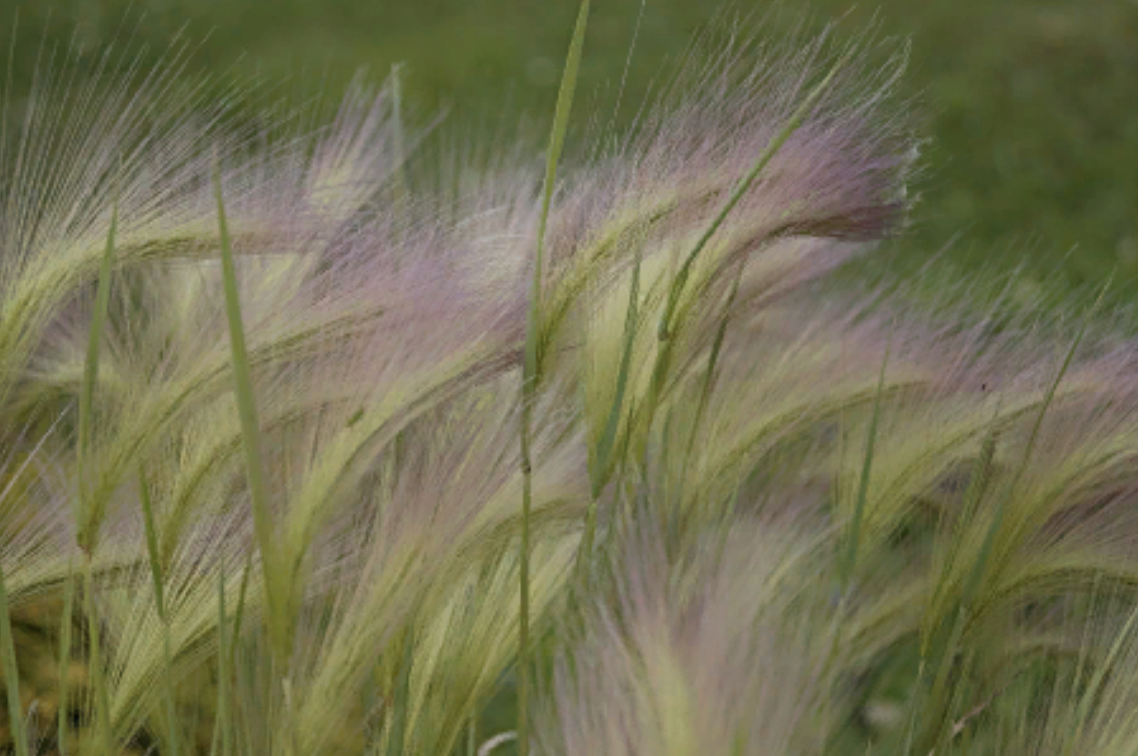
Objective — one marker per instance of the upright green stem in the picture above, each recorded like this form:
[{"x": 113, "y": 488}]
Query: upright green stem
[
  {"x": 163, "y": 617},
  {"x": 65, "y": 655},
  {"x": 11, "y": 676},
  {"x": 98, "y": 676},
  {"x": 531, "y": 370}
]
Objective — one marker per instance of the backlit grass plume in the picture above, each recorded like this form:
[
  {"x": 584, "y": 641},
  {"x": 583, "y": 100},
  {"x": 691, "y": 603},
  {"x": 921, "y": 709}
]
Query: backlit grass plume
[
  {"x": 716, "y": 653},
  {"x": 334, "y": 441}
]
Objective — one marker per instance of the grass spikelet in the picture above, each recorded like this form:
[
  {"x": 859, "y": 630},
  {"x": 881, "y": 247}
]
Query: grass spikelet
[
  {"x": 659, "y": 666},
  {"x": 792, "y": 125}
]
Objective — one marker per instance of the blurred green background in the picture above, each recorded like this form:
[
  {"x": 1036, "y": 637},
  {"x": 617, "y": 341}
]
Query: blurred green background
[{"x": 1032, "y": 105}]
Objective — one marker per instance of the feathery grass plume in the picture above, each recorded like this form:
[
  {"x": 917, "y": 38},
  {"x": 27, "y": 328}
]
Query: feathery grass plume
[
  {"x": 331, "y": 453},
  {"x": 708, "y": 654},
  {"x": 138, "y": 657},
  {"x": 808, "y": 213},
  {"x": 57, "y": 185},
  {"x": 797, "y": 388},
  {"x": 407, "y": 560},
  {"x": 988, "y": 549},
  {"x": 948, "y": 453},
  {"x": 325, "y": 392}
]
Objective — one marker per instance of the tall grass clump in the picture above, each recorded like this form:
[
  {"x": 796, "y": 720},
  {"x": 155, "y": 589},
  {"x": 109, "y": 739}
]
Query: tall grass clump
[{"x": 341, "y": 440}]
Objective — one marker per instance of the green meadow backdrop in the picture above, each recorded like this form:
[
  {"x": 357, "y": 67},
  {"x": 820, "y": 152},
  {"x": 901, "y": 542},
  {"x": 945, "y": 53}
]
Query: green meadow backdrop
[{"x": 1030, "y": 105}]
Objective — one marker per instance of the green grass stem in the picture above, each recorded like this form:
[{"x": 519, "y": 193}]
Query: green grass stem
[
  {"x": 103, "y": 732},
  {"x": 152, "y": 553},
  {"x": 532, "y": 365},
  {"x": 11, "y": 674},
  {"x": 65, "y": 655}
]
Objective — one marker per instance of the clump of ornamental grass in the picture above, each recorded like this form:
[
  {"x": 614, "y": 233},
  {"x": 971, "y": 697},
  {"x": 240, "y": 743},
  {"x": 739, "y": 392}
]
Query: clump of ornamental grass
[{"x": 311, "y": 451}]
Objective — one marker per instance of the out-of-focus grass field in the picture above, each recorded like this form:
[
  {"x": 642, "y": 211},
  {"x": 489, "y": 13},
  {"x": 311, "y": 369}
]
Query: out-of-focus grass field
[{"x": 1032, "y": 105}]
